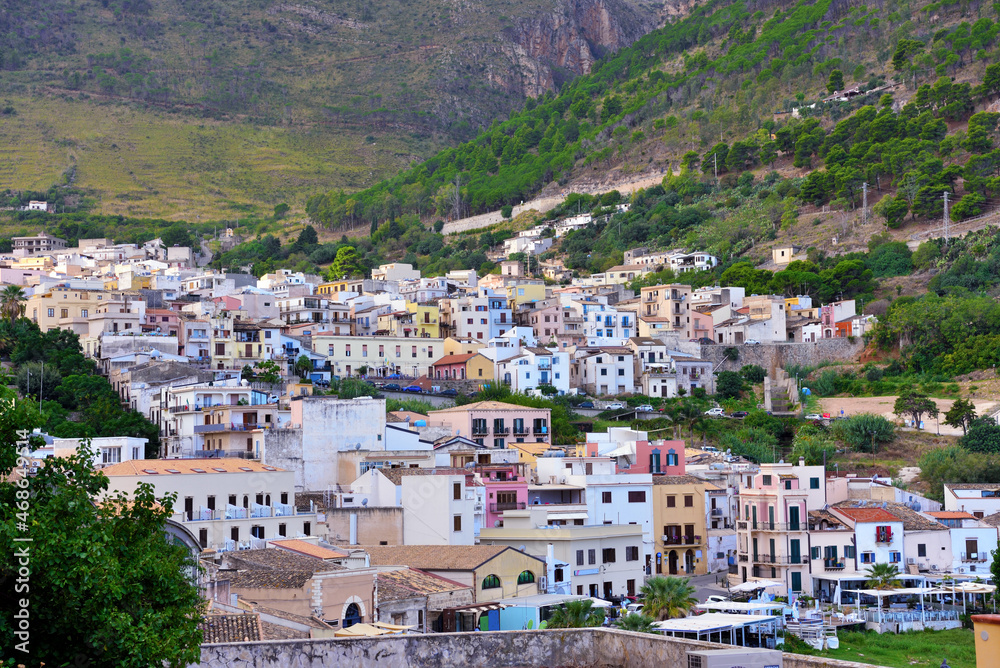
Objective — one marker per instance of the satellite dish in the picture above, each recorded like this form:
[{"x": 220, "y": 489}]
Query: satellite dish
[
  {"x": 496, "y": 524},
  {"x": 245, "y": 382},
  {"x": 357, "y": 447},
  {"x": 364, "y": 502}
]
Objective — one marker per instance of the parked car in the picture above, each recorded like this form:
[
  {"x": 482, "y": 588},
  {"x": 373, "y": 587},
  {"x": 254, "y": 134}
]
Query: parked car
[
  {"x": 709, "y": 448},
  {"x": 614, "y": 406},
  {"x": 751, "y": 342},
  {"x": 586, "y": 404},
  {"x": 705, "y": 341},
  {"x": 814, "y": 416},
  {"x": 716, "y": 412},
  {"x": 739, "y": 415},
  {"x": 391, "y": 386},
  {"x": 634, "y": 608},
  {"x": 450, "y": 392},
  {"x": 413, "y": 388},
  {"x": 716, "y": 598},
  {"x": 645, "y": 408}
]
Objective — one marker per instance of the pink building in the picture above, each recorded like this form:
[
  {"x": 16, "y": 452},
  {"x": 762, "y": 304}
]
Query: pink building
[
  {"x": 665, "y": 457},
  {"x": 506, "y": 489},
  {"x": 163, "y": 321},
  {"x": 496, "y": 424}
]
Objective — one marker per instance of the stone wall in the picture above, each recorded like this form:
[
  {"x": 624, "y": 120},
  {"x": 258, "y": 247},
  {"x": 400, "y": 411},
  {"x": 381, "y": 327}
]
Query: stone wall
[
  {"x": 493, "y": 649},
  {"x": 773, "y": 356}
]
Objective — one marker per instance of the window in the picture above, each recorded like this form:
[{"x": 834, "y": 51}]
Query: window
[
  {"x": 399, "y": 351},
  {"x": 688, "y": 501},
  {"x": 604, "y": 372},
  {"x": 608, "y": 555},
  {"x": 921, "y": 550},
  {"x": 671, "y": 502},
  {"x": 381, "y": 351},
  {"x": 84, "y": 313},
  {"x": 632, "y": 553},
  {"x": 813, "y": 483},
  {"x": 491, "y": 582},
  {"x": 282, "y": 530},
  {"x": 234, "y": 533},
  {"x": 637, "y": 497},
  {"x": 894, "y": 557},
  {"x": 621, "y": 372},
  {"x": 788, "y": 484},
  {"x": 64, "y": 313},
  {"x": 868, "y": 557},
  {"x": 814, "y": 553},
  {"x": 766, "y": 480},
  {"x": 284, "y": 497},
  {"x": 591, "y": 557},
  {"x": 457, "y": 491},
  {"x": 526, "y": 577},
  {"x": 671, "y": 458},
  {"x": 364, "y": 351},
  {"x": 52, "y": 313},
  {"x": 605, "y": 497},
  {"x": 457, "y": 523},
  {"x": 306, "y": 528},
  {"x": 579, "y": 557},
  {"x": 850, "y": 551}
]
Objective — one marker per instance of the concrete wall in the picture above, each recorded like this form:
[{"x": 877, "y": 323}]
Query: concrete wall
[
  {"x": 773, "y": 356},
  {"x": 567, "y": 647},
  {"x": 283, "y": 448},
  {"x": 374, "y": 525}
]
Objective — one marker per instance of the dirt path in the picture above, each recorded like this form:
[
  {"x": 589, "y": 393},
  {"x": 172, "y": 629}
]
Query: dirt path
[
  {"x": 549, "y": 202},
  {"x": 883, "y": 406}
]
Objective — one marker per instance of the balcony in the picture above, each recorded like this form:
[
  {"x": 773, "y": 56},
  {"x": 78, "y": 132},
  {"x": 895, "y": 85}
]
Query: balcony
[
  {"x": 540, "y": 431},
  {"x": 716, "y": 512},
  {"x": 480, "y": 431},
  {"x": 502, "y": 431},
  {"x": 511, "y": 505},
  {"x": 242, "y": 426},
  {"x": 780, "y": 559},
  {"x": 973, "y": 557},
  {"x": 770, "y": 526},
  {"x": 673, "y": 539},
  {"x": 218, "y": 454},
  {"x": 833, "y": 565},
  {"x": 521, "y": 431}
]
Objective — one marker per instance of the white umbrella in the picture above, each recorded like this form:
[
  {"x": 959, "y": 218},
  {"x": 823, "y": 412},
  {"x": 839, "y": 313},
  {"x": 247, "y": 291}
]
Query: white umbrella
[
  {"x": 600, "y": 603},
  {"x": 754, "y": 585}
]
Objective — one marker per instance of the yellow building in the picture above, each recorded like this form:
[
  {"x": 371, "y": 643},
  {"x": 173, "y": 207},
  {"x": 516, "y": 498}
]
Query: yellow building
[
  {"x": 426, "y": 318},
  {"x": 63, "y": 307},
  {"x": 679, "y": 510},
  {"x": 458, "y": 346},
  {"x": 343, "y": 285},
  {"x": 987, "y": 640},
  {"x": 522, "y": 293},
  {"x": 38, "y": 262}
]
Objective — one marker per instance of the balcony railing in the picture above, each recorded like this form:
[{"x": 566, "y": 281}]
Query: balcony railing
[
  {"x": 229, "y": 426},
  {"x": 716, "y": 512},
  {"x": 973, "y": 557},
  {"x": 502, "y": 431},
  {"x": 833, "y": 565},
  {"x": 539, "y": 431},
  {"x": 521, "y": 431},
  {"x": 510, "y": 505},
  {"x": 480, "y": 431},
  {"x": 779, "y": 559},
  {"x": 770, "y": 526},
  {"x": 218, "y": 454},
  {"x": 672, "y": 539}
]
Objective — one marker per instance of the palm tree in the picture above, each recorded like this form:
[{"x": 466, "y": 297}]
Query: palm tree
[
  {"x": 667, "y": 597},
  {"x": 636, "y": 622},
  {"x": 10, "y": 302},
  {"x": 575, "y": 615},
  {"x": 882, "y": 576}
]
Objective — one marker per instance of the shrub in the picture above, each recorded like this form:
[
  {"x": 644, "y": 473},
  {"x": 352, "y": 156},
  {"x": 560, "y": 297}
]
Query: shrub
[
  {"x": 860, "y": 431},
  {"x": 753, "y": 373}
]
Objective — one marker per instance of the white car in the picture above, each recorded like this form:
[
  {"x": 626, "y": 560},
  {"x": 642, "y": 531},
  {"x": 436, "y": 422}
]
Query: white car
[
  {"x": 751, "y": 342},
  {"x": 645, "y": 408},
  {"x": 715, "y": 598},
  {"x": 635, "y": 608},
  {"x": 716, "y": 412},
  {"x": 709, "y": 448},
  {"x": 814, "y": 416},
  {"x": 614, "y": 406}
]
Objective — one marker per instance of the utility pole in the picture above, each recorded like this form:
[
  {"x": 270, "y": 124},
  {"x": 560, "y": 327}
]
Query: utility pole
[
  {"x": 864, "y": 203},
  {"x": 946, "y": 218}
]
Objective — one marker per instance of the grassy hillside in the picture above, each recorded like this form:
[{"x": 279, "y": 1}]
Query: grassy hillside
[
  {"x": 717, "y": 76},
  {"x": 264, "y": 99}
]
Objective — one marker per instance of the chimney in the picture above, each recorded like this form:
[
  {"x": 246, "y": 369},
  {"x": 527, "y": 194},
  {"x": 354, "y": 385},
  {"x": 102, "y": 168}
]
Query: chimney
[{"x": 802, "y": 461}]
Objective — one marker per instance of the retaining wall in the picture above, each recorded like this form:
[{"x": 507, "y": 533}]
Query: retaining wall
[
  {"x": 773, "y": 356},
  {"x": 492, "y": 649}
]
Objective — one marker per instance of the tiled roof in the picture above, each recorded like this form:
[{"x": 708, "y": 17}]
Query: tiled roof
[
  {"x": 817, "y": 516},
  {"x": 396, "y": 475},
  {"x": 274, "y": 559},
  {"x": 951, "y": 515},
  {"x": 486, "y": 406},
  {"x": 677, "y": 480},
  {"x": 230, "y": 628},
  {"x": 454, "y": 359},
  {"x": 435, "y": 557},
  {"x": 867, "y": 514},
  {"x": 912, "y": 520},
  {"x": 308, "y": 549},
  {"x": 405, "y": 416},
  {"x": 267, "y": 579},
  {"x": 273, "y": 631},
  {"x": 993, "y": 520},
  {"x": 410, "y": 582},
  {"x": 167, "y": 467},
  {"x": 974, "y": 485}
]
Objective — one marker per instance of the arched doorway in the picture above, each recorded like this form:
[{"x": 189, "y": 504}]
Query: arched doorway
[
  {"x": 352, "y": 615},
  {"x": 672, "y": 562},
  {"x": 689, "y": 562}
]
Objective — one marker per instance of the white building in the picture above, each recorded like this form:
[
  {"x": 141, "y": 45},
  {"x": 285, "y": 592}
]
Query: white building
[
  {"x": 977, "y": 499},
  {"x": 604, "y": 371},
  {"x": 533, "y": 367},
  {"x": 107, "y": 450},
  {"x": 381, "y": 355},
  {"x": 396, "y": 271}
]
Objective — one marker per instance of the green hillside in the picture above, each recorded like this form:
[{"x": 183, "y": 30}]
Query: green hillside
[
  {"x": 719, "y": 74},
  {"x": 175, "y": 108}
]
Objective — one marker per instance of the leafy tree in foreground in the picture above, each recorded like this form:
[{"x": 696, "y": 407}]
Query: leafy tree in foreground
[
  {"x": 983, "y": 436},
  {"x": 636, "y": 622},
  {"x": 106, "y": 586},
  {"x": 860, "y": 431},
  {"x": 914, "y": 405},
  {"x": 728, "y": 385},
  {"x": 961, "y": 414}
]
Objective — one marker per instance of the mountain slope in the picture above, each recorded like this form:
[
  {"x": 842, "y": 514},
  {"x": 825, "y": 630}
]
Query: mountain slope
[
  {"x": 718, "y": 74},
  {"x": 327, "y": 75}
]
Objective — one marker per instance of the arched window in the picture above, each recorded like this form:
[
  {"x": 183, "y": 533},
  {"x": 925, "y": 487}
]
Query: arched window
[
  {"x": 526, "y": 577},
  {"x": 491, "y": 582},
  {"x": 352, "y": 615}
]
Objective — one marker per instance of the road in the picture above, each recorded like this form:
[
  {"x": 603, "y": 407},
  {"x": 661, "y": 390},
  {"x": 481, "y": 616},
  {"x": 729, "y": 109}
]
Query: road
[
  {"x": 883, "y": 406},
  {"x": 706, "y": 585},
  {"x": 543, "y": 204}
]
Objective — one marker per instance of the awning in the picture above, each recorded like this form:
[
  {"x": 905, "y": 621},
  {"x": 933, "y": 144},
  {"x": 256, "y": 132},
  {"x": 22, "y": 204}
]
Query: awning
[
  {"x": 392, "y": 627},
  {"x": 754, "y": 585},
  {"x": 711, "y": 623},
  {"x": 362, "y": 631},
  {"x": 740, "y": 606},
  {"x": 478, "y": 608}
]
